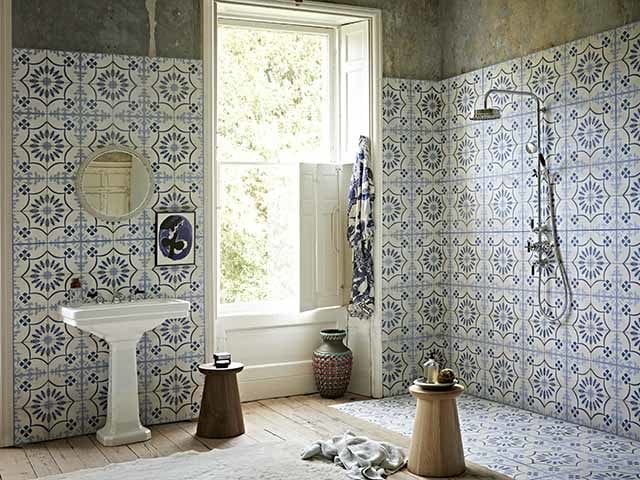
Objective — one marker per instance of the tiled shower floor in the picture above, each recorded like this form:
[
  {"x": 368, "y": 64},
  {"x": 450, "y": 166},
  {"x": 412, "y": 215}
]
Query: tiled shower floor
[{"x": 516, "y": 442}]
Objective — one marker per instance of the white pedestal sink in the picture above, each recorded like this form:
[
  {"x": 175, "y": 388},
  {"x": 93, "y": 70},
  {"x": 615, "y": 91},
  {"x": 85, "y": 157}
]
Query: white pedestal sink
[{"x": 121, "y": 325}]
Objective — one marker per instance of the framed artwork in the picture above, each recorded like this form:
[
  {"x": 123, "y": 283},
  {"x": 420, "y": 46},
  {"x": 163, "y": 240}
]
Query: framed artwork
[{"x": 175, "y": 235}]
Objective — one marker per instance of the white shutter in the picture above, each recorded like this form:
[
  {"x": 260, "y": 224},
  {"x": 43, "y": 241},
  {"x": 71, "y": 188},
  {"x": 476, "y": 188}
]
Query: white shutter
[
  {"x": 321, "y": 233},
  {"x": 354, "y": 87},
  {"x": 307, "y": 236},
  {"x": 325, "y": 266}
]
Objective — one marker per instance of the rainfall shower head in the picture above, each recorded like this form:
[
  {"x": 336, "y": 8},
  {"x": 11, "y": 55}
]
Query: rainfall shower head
[{"x": 486, "y": 114}]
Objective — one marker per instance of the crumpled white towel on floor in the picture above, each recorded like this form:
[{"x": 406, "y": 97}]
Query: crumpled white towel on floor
[{"x": 362, "y": 457}]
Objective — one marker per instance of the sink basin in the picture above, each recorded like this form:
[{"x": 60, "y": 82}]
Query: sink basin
[
  {"x": 121, "y": 325},
  {"x": 115, "y": 321}
]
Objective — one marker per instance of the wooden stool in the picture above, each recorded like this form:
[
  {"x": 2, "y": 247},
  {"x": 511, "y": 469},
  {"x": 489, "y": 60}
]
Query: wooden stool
[
  {"x": 436, "y": 444},
  {"x": 220, "y": 412}
]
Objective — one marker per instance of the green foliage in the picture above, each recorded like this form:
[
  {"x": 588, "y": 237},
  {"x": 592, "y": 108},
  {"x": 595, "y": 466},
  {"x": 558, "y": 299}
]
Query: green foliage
[
  {"x": 243, "y": 253},
  {"x": 272, "y": 93},
  {"x": 270, "y": 110}
]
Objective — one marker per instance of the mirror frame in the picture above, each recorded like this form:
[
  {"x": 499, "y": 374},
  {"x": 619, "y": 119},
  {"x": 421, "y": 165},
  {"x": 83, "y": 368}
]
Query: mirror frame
[{"x": 84, "y": 203}]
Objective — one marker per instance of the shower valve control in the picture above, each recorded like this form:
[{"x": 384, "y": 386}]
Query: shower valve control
[
  {"x": 535, "y": 246},
  {"x": 543, "y": 264},
  {"x": 544, "y": 230},
  {"x": 540, "y": 247}
]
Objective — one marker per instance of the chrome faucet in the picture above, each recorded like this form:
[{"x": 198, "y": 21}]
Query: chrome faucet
[
  {"x": 137, "y": 291},
  {"x": 94, "y": 296},
  {"x": 118, "y": 297}
]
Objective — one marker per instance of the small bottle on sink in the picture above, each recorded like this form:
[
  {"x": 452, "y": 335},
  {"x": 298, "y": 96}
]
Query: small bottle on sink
[{"x": 75, "y": 291}]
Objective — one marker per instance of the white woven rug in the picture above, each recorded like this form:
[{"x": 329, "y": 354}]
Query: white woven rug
[{"x": 264, "y": 461}]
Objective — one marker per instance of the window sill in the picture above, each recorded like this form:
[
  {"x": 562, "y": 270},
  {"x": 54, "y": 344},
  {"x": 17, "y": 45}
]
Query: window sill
[{"x": 254, "y": 321}]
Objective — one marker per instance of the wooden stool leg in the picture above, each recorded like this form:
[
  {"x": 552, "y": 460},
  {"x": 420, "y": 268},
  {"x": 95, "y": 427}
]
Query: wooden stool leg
[
  {"x": 220, "y": 412},
  {"x": 436, "y": 445}
]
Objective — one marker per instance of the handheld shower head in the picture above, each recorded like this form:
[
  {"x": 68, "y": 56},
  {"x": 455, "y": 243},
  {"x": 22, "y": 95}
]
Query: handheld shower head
[
  {"x": 480, "y": 114},
  {"x": 530, "y": 148}
]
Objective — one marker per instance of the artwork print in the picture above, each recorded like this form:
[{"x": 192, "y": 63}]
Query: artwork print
[{"x": 175, "y": 234}]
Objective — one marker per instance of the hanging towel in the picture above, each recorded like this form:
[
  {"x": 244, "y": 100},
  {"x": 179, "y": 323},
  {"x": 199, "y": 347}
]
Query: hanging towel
[
  {"x": 363, "y": 458},
  {"x": 360, "y": 232}
]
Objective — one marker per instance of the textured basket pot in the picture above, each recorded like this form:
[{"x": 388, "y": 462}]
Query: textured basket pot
[{"x": 332, "y": 362}]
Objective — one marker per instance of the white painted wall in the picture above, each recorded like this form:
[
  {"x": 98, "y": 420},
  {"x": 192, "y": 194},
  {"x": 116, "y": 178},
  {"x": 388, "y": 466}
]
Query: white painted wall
[{"x": 277, "y": 350}]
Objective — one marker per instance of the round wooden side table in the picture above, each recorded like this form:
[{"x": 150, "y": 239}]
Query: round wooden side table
[
  {"x": 220, "y": 412},
  {"x": 436, "y": 444}
]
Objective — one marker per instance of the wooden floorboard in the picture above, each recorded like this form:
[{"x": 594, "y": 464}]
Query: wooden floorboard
[
  {"x": 180, "y": 438},
  {"x": 65, "y": 456},
  {"x": 118, "y": 454},
  {"x": 41, "y": 460},
  {"x": 14, "y": 464},
  {"x": 89, "y": 454},
  {"x": 301, "y": 419},
  {"x": 142, "y": 450}
]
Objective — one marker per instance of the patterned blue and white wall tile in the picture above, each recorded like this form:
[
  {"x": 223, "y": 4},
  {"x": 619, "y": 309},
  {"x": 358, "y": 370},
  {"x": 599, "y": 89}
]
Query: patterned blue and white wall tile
[
  {"x": 590, "y": 67},
  {"x": 414, "y": 215},
  {"x": 505, "y": 76},
  {"x": 465, "y": 94},
  {"x": 469, "y": 245},
  {"x": 67, "y": 105}
]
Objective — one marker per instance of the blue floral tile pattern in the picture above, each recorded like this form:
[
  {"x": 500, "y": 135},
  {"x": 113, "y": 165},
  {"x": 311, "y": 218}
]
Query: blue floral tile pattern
[
  {"x": 414, "y": 203},
  {"x": 460, "y": 196},
  {"x": 66, "y": 105},
  {"x": 516, "y": 442}
]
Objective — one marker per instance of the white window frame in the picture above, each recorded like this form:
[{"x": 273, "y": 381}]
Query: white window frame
[
  {"x": 332, "y": 34},
  {"x": 310, "y": 13},
  {"x": 244, "y": 311}
]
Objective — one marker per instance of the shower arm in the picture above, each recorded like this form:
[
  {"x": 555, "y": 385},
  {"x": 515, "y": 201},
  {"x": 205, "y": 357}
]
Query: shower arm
[
  {"x": 539, "y": 110},
  {"x": 539, "y": 107}
]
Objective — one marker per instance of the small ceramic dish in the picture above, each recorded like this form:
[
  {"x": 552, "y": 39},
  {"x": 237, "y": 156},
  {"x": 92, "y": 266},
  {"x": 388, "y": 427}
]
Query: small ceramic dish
[{"x": 434, "y": 386}]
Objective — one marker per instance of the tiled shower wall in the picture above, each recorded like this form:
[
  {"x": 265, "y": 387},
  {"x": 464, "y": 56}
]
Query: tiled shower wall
[
  {"x": 413, "y": 311},
  {"x": 65, "y": 106},
  {"x": 457, "y": 199}
]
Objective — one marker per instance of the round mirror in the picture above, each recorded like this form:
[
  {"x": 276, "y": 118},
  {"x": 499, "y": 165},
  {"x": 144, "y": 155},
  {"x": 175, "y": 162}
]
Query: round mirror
[{"x": 115, "y": 183}]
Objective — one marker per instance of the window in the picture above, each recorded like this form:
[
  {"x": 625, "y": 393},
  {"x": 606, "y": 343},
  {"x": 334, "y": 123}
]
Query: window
[
  {"x": 275, "y": 85},
  {"x": 259, "y": 235},
  {"x": 280, "y": 120}
]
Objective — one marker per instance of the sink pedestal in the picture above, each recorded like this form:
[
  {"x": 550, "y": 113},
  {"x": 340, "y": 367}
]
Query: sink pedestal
[
  {"x": 121, "y": 325},
  {"x": 123, "y": 415}
]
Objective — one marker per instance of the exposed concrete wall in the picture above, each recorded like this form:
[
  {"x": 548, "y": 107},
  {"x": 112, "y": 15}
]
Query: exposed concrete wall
[
  {"x": 478, "y": 33},
  {"x": 423, "y": 39},
  {"x": 178, "y": 33},
  {"x": 436, "y": 39},
  {"x": 411, "y": 43},
  {"x": 113, "y": 26},
  {"x": 411, "y": 37}
]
